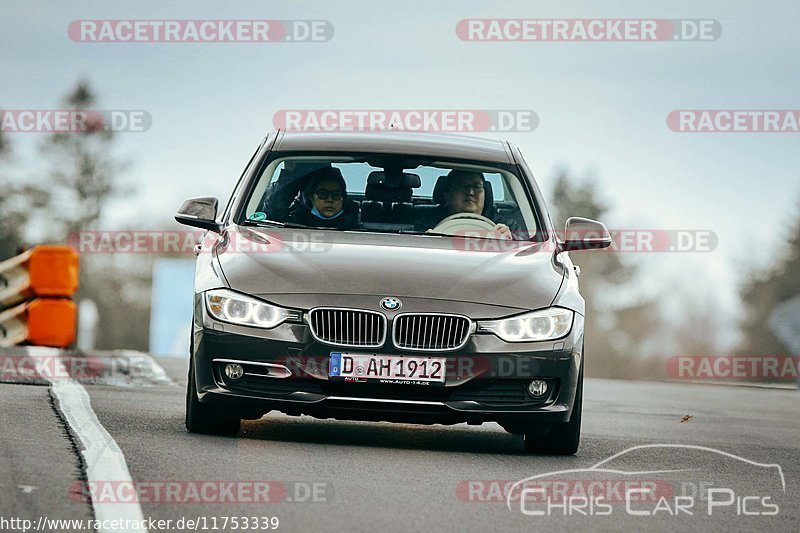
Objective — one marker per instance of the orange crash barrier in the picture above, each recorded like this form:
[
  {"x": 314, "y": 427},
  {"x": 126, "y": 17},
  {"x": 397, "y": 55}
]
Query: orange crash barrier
[{"x": 35, "y": 303}]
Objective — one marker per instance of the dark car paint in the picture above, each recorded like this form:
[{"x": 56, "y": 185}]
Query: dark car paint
[
  {"x": 393, "y": 265},
  {"x": 485, "y": 353},
  {"x": 356, "y": 269},
  {"x": 439, "y": 145}
]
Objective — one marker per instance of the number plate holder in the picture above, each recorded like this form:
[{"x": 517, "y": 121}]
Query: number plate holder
[{"x": 389, "y": 369}]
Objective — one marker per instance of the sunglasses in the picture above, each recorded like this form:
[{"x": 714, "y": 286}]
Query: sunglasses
[{"x": 324, "y": 194}]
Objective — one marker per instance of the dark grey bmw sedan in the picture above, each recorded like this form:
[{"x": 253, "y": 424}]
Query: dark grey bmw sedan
[{"x": 394, "y": 276}]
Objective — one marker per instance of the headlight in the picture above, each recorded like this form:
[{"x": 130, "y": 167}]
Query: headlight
[
  {"x": 235, "y": 308},
  {"x": 547, "y": 324}
]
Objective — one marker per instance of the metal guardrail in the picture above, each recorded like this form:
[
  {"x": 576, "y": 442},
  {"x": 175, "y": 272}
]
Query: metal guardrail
[{"x": 35, "y": 297}]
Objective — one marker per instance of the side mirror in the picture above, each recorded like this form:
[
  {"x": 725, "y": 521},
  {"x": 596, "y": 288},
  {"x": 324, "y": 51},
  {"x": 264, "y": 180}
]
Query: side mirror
[
  {"x": 585, "y": 234},
  {"x": 200, "y": 213}
]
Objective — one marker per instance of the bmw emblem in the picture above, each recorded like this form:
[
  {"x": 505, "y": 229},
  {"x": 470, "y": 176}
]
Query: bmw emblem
[{"x": 391, "y": 304}]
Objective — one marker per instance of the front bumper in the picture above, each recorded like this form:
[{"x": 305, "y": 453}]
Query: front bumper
[{"x": 287, "y": 370}]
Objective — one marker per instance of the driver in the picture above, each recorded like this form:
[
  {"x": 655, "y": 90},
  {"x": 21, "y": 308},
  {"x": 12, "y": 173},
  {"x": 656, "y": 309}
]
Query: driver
[{"x": 465, "y": 193}]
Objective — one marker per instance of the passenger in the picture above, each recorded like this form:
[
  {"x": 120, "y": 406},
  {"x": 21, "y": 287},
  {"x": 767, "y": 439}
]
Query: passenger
[
  {"x": 278, "y": 198},
  {"x": 465, "y": 193},
  {"x": 323, "y": 202}
]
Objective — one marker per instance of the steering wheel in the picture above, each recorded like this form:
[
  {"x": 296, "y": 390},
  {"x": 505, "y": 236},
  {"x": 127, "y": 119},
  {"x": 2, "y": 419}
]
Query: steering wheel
[{"x": 462, "y": 222}]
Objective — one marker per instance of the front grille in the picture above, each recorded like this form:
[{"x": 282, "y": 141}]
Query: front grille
[
  {"x": 352, "y": 328},
  {"x": 431, "y": 331}
]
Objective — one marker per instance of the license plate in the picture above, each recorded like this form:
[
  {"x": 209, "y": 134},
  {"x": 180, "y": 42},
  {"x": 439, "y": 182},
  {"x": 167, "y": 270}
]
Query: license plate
[{"x": 387, "y": 368}]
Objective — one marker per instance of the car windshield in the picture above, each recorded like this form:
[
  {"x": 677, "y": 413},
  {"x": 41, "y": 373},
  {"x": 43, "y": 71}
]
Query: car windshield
[{"x": 392, "y": 194}]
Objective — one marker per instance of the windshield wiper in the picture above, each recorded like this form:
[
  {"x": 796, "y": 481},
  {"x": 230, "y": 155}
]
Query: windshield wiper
[
  {"x": 414, "y": 232},
  {"x": 275, "y": 224},
  {"x": 435, "y": 234}
]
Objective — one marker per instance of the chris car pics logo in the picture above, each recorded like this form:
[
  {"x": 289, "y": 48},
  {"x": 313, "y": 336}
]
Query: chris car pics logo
[{"x": 676, "y": 480}]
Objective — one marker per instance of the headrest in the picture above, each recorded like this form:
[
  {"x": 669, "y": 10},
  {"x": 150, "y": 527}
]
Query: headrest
[
  {"x": 440, "y": 190},
  {"x": 488, "y": 198}
]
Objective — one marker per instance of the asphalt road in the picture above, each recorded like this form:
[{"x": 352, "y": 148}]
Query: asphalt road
[{"x": 356, "y": 476}]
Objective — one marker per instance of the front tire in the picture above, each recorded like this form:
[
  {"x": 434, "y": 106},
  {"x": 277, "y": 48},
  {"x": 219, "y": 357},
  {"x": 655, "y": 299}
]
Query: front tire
[
  {"x": 562, "y": 438},
  {"x": 205, "y": 418}
]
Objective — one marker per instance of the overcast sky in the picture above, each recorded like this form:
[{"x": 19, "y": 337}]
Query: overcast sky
[{"x": 602, "y": 105}]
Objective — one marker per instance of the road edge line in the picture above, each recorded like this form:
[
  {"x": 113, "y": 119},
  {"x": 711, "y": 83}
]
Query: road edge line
[{"x": 102, "y": 458}]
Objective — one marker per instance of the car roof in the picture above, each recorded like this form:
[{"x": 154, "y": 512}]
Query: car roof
[{"x": 396, "y": 142}]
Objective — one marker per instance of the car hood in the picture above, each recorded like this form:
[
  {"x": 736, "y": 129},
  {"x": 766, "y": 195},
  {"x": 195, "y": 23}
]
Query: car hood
[{"x": 271, "y": 262}]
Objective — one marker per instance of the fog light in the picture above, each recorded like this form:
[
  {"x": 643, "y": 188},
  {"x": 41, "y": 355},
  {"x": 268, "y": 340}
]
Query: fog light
[
  {"x": 537, "y": 388},
  {"x": 234, "y": 371}
]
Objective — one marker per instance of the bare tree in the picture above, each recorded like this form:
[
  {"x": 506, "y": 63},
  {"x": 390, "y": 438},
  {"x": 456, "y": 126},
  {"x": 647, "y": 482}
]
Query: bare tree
[
  {"x": 18, "y": 203},
  {"x": 4, "y": 145},
  {"x": 83, "y": 176},
  {"x": 769, "y": 290},
  {"x": 9, "y": 228},
  {"x": 82, "y": 171},
  {"x": 614, "y": 329}
]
